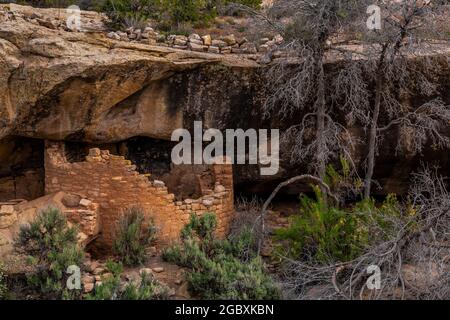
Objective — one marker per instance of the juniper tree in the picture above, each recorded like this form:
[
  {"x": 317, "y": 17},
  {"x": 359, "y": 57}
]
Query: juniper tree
[
  {"x": 400, "y": 59},
  {"x": 300, "y": 91},
  {"x": 313, "y": 31}
]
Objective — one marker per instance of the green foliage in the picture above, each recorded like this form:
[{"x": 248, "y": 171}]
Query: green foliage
[
  {"x": 323, "y": 232},
  {"x": 51, "y": 247},
  {"x": 131, "y": 12},
  {"x": 220, "y": 269},
  {"x": 111, "y": 288},
  {"x": 3, "y": 286},
  {"x": 148, "y": 289},
  {"x": 134, "y": 234},
  {"x": 194, "y": 11},
  {"x": 170, "y": 14},
  {"x": 341, "y": 179}
]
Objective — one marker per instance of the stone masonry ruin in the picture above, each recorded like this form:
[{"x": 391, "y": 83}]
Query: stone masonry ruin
[{"x": 114, "y": 184}]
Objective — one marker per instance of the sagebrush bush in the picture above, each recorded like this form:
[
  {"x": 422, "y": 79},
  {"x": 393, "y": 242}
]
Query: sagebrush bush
[
  {"x": 51, "y": 246},
  {"x": 111, "y": 288},
  {"x": 220, "y": 269},
  {"x": 134, "y": 235}
]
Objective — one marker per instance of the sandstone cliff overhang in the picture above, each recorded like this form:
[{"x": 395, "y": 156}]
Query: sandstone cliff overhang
[{"x": 56, "y": 84}]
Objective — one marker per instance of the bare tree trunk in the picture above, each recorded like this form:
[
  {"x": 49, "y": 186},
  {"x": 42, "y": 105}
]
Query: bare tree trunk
[
  {"x": 373, "y": 140},
  {"x": 320, "y": 105}
]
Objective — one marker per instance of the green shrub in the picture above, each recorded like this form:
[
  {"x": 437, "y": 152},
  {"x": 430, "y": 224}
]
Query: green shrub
[
  {"x": 51, "y": 246},
  {"x": 323, "y": 232},
  {"x": 326, "y": 233},
  {"x": 148, "y": 289},
  {"x": 220, "y": 269},
  {"x": 134, "y": 234},
  {"x": 129, "y": 13},
  {"x": 111, "y": 288},
  {"x": 173, "y": 15}
]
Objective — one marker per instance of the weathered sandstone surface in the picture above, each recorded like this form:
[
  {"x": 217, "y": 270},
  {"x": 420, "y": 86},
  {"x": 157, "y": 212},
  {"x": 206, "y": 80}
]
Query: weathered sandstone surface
[{"x": 83, "y": 87}]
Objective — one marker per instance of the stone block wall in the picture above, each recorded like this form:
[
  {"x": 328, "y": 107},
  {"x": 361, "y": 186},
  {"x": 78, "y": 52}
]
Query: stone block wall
[
  {"x": 113, "y": 183},
  {"x": 78, "y": 210}
]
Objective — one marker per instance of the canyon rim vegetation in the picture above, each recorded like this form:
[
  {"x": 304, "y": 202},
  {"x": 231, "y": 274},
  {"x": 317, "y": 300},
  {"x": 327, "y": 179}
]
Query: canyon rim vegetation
[{"x": 93, "y": 207}]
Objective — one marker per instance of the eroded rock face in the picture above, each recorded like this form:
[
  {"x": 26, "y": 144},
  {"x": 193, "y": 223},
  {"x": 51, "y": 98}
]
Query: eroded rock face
[
  {"x": 85, "y": 87},
  {"x": 79, "y": 85}
]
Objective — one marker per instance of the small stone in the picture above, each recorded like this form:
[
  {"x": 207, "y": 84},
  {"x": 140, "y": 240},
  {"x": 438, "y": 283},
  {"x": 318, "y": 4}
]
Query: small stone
[
  {"x": 179, "y": 42},
  {"x": 214, "y": 49},
  {"x": 160, "y": 38},
  {"x": 219, "y": 43},
  {"x": 264, "y": 40},
  {"x": 88, "y": 287},
  {"x": 158, "y": 269},
  {"x": 278, "y": 39},
  {"x": 188, "y": 201},
  {"x": 178, "y": 281},
  {"x": 183, "y": 38},
  {"x": 159, "y": 184},
  {"x": 263, "y": 48},
  {"x": 113, "y": 35},
  {"x": 94, "y": 152},
  {"x": 225, "y": 50},
  {"x": 122, "y": 35},
  {"x": 196, "y": 47},
  {"x": 219, "y": 188},
  {"x": 47, "y": 23},
  {"x": 207, "y": 40},
  {"x": 36, "y": 15},
  {"x": 91, "y": 265},
  {"x": 194, "y": 36},
  {"x": 146, "y": 271},
  {"x": 85, "y": 202},
  {"x": 207, "y": 203},
  {"x": 230, "y": 39},
  {"x": 71, "y": 200},
  {"x": 6, "y": 209},
  {"x": 98, "y": 271},
  {"x": 197, "y": 42}
]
